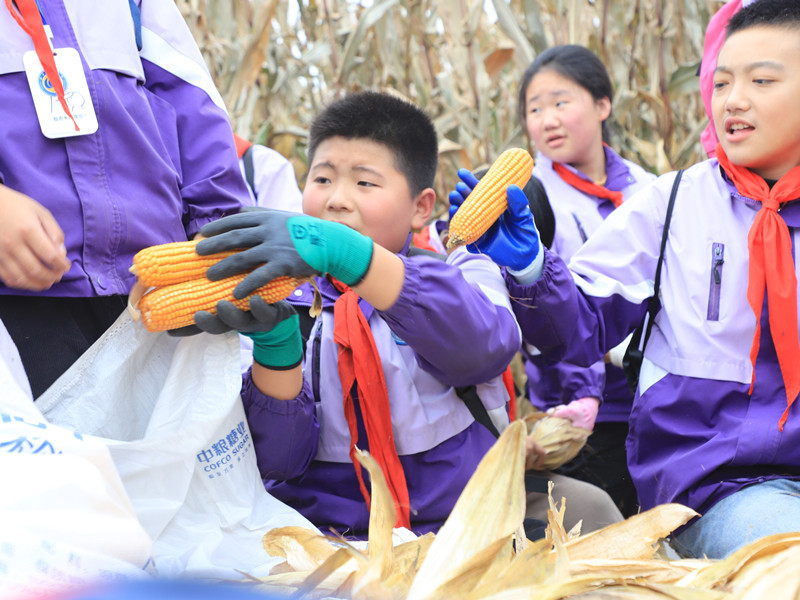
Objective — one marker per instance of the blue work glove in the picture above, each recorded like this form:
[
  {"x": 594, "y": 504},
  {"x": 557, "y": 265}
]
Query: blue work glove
[
  {"x": 513, "y": 240},
  {"x": 274, "y": 329},
  {"x": 275, "y": 243}
]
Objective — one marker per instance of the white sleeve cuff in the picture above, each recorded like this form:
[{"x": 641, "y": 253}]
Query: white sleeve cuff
[{"x": 531, "y": 273}]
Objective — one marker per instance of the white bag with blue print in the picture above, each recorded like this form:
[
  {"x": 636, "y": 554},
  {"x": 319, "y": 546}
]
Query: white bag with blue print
[
  {"x": 65, "y": 518},
  {"x": 170, "y": 412}
]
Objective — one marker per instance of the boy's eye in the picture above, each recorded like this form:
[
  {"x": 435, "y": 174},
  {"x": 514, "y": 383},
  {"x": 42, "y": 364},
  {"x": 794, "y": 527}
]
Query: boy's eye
[
  {"x": 534, "y": 110},
  {"x": 561, "y": 103},
  {"x": 762, "y": 81},
  {"x": 321, "y": 179},
  {"x": 366, "y": 183}
]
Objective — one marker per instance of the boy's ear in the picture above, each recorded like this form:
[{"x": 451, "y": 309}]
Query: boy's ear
[{"x": 423, "y": 208}]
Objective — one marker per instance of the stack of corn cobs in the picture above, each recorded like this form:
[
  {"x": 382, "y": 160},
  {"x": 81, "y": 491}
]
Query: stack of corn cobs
[{"x": 176, "y": 276}]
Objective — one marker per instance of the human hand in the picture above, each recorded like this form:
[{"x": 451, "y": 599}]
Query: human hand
[
  {"x": 275, "y": 243},
  {"x": 32, "y": 252},
  {"x": 274, "y": 329},
  {"x": 582, "y": 412},
  {"x": 535, "y": 455},
  {"x": 513, "y": 240}
]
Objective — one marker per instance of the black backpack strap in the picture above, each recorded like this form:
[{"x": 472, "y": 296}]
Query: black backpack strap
[
  {"x": 469, "y": 395},
  {"x": 632, "y": 361},
  {"x": 249, "y": 175}
]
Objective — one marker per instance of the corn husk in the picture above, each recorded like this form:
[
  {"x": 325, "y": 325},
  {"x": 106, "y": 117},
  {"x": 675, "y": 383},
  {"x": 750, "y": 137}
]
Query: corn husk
[
  {"x": 559, "y": 438},
  {"x": 491, "y": 508},
  {"x": 478, "y": 555}
]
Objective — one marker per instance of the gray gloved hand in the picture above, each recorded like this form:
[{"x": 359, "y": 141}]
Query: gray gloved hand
[
  {"x": 275, "y": 243},
  {"x": 274, "y": 329}
]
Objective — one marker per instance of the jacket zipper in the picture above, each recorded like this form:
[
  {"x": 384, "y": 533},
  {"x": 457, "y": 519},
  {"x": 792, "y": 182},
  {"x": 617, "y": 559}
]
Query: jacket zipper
[{"x": 717, "y": 260}]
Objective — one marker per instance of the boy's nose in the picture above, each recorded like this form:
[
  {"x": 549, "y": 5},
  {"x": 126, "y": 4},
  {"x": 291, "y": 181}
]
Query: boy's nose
[
  {"x": 737, "y": 99},
  {"x": 338, "y": 199}
]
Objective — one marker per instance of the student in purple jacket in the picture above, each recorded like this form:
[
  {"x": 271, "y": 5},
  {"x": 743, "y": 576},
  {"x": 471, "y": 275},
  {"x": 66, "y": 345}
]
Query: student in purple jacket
[
  {"x": 399, "y": 335},
  {"x": 564, "y": 103},
  {"x": 133, "y": 148},
  {"x": 715, "y": 423}
]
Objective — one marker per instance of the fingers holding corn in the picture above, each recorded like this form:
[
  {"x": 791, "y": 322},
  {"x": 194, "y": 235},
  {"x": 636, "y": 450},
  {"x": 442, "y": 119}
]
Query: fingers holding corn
[
  {"x": 509, "y": 238},
  {"x": 487, "y": 200}
]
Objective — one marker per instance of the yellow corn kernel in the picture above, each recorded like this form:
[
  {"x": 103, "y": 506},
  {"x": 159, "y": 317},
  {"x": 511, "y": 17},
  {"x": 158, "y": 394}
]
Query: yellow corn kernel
[
  {"x": 176, "y": 262},
  {"x": 488, "y": 201},
  {"x": 173, "y": 306}
]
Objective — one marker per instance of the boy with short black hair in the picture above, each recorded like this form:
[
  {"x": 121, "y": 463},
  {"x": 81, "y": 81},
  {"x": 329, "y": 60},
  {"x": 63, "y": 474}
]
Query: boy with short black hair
[
  {"x": 398, "y": 336},
  {"x": 715, "y": 424}
]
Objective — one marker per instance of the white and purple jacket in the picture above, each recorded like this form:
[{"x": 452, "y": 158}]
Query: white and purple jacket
[
  {"x": 162, "y": 162},
  {"x": 577, "y": 216},
  {"x": 696, "y": 435},
  {"x": 451, "y": 326}
]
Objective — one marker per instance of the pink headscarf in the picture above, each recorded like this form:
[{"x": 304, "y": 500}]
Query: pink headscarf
[{"x": 715, "y": 36}]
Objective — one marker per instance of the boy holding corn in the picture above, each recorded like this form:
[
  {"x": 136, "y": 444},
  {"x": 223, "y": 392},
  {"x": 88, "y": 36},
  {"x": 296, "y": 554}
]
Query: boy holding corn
[
  {"x": 715, "y": 422},
  {"x": 396, "y": 337}
]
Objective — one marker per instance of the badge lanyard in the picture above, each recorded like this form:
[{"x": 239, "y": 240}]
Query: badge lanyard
[
  {"x": 29, "y": 16},
  {"x": 56, "y": 77}
]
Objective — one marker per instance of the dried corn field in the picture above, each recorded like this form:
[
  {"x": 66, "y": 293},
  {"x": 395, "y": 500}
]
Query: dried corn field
[{"x": 277, "y": 62}]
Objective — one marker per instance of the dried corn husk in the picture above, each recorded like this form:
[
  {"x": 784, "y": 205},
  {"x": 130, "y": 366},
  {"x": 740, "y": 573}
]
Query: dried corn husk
[
  {"x": 560, "y": 439},
  {"x": 634, "y": 538},
  {"x": 472, "y": 556},
  {"x": 491, "y": 508},
  {"x": 304, "y": 549}
]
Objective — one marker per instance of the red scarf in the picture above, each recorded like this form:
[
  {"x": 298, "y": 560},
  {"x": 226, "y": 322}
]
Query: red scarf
[
  {"x": 241, "y": 145},
  {"x": 771, "y": 267},
  {"x": 30, "y": 20},
  {"x": 360, "y": 364},
  {"x": 586, "y": 186}
]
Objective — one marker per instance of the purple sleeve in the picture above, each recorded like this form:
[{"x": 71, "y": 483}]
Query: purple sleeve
[
  {"x": 564, "y": 324},
  {"x": 285, "y": 432},
  {"x": 460, "y": 336},
  {"x": 201, "y": 148},
  {"x": 558, "y": 383}
]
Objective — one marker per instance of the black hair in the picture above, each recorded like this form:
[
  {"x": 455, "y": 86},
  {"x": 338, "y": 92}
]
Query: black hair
[
  {"x": 773, "y": 13},
  {"x": 540, "y": 207},
  {"x": 388, "y": 120},
  {"x": 576, "y": 63}
]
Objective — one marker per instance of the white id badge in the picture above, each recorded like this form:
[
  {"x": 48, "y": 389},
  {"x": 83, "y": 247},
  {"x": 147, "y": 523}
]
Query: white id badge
[{"x": 52, "y": 119}]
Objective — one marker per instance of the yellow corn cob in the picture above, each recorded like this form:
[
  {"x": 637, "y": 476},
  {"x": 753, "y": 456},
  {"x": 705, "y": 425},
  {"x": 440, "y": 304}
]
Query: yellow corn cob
[
  {"x": 173, "y": 306},
  {"x": 167, "y": 264},
  {"x": 488, "y": 201}
]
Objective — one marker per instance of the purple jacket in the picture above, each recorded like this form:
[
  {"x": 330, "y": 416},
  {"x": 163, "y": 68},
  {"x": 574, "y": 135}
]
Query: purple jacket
[
  {"x": 696, "y": 435},
  {"x": 451, "y": 326},
  {"x": 578, "y": 215},
  {"x": 162, "y": 162}
]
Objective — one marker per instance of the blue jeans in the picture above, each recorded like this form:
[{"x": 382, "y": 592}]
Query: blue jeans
[{"x": 749, "y": 514}]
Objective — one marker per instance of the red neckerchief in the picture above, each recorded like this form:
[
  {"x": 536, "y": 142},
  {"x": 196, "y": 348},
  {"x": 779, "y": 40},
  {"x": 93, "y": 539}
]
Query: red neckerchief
[
  {"x": 586, "y": 186},
  {"x": 360, "y": 364},
  {"x": 241, "y": 145},
  {"x": 771, "y": 267},
  {"x": 30, "y": 20}
]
